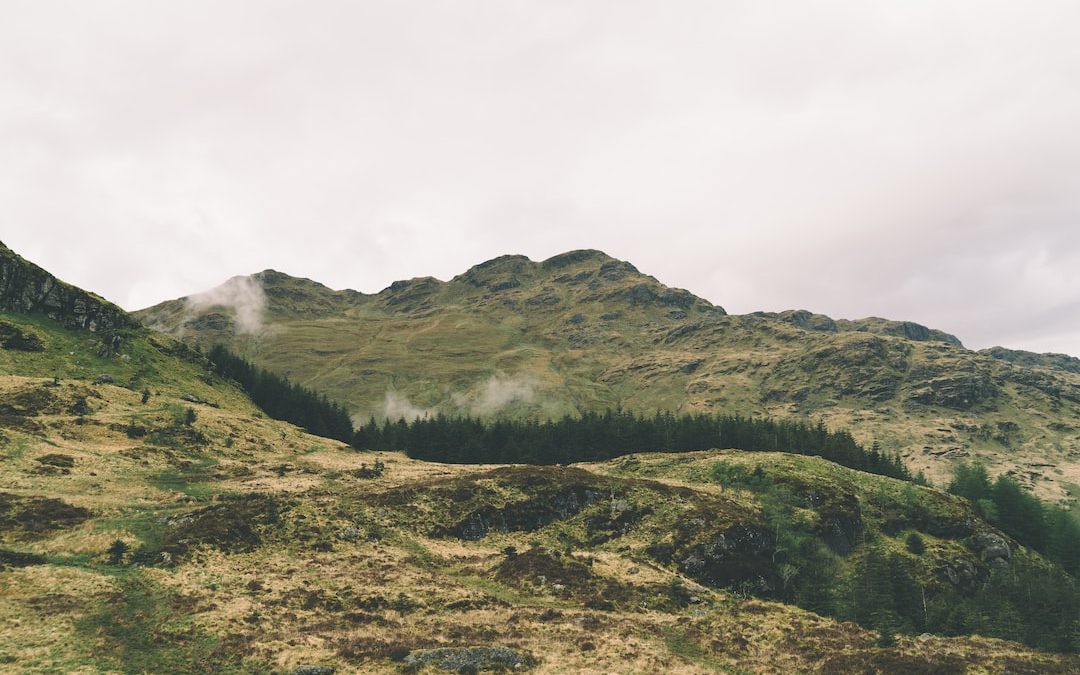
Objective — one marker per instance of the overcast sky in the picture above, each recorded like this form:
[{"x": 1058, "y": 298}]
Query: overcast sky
[{"x": 909, "y": 159}]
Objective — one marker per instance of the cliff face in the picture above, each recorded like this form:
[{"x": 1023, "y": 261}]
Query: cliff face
[{"x": 28, "y": 289}]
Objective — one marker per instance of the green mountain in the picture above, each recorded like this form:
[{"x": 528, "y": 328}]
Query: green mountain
[{"x": 583, "y": 331}]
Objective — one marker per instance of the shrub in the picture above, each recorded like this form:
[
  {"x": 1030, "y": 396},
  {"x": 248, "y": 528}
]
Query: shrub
[
  {"x": 915, "y": 543},
  {"x": 116, "y": 552}
]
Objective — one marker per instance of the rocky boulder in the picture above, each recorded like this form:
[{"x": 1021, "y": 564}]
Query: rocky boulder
[
  {"x": 468, "y": 659},
  {"x": 991, "y": 548}
]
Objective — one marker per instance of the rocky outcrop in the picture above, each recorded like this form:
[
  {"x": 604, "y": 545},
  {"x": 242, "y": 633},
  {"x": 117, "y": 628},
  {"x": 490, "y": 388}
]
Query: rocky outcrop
[
  {"x": 528, "y": 515},
  {"x": 16, "y": 339},
  {"x": 28, "y": 289},
  {"x": 909, "y": 330},
  {"x": 905, "y": 329},
  {"x": 961, "y": 391},
  {"x": 992, "y": 549},
  {"x": 1069, "y": 364},
  {"x": 412, "y": 295},
  {"x": 468, "y": 659},
  {"x": 864, "y": 366},
  {"x": 576, "y": 257},
  {"x": 803, "y": 319}
]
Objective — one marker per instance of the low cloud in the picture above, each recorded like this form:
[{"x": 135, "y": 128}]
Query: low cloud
[
  {"x": 500, "y": 391},
  {"x": 494, "y": 394},
  {"x": 485, "y": 398},
  {"x": 244, "y": 295},
  {"x": 396, "y": 406}
]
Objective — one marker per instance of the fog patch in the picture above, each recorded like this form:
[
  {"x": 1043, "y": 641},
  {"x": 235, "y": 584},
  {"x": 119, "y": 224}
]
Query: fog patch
[
  {"x": 243, "y": 294},
  {"x": 499, "y": 391},
  {"x": 397, "y": 406}
]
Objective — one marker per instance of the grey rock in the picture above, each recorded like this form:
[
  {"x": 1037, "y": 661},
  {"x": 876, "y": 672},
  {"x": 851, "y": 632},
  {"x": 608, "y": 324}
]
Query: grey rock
[
  {"x": 960, "y": 391},
  {"x": 468, "y": 659},
  {"x": 963, "y": 574},
  {"x": 991, "y": 548}
]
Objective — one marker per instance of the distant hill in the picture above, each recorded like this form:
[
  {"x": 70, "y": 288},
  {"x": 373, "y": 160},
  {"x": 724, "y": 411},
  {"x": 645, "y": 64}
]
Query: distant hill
[{"x": 584, "y": 331}]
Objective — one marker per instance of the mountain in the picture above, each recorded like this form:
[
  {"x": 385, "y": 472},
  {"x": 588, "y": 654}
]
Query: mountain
[
  {"x": 583, "y": 331},
  {"x": 152, "y": 519}
]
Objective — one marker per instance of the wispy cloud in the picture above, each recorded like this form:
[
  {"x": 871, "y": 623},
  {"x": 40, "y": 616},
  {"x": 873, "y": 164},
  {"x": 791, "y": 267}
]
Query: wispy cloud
[
  {"x": 243, "y": 295},
  {"x": 500, "y": 391},
  {"x": 397, "y": 406}
]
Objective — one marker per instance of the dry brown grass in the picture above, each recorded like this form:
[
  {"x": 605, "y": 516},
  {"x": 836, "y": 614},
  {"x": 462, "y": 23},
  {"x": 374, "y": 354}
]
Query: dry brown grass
[{"x": 312, "y": 590}]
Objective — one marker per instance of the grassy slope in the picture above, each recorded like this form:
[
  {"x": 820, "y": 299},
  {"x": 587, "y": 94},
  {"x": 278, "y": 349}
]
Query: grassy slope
[
  {"x": 282, "y": 556},
  {"x": 583, "y": 331}
]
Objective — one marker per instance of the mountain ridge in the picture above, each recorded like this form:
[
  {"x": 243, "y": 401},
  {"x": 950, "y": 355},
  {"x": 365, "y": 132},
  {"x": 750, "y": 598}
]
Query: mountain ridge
[{"x": 584, "y": 331}]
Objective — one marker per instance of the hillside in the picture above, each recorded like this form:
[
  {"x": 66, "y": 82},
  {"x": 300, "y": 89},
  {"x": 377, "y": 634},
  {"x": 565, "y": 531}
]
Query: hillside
[
  {"x": 583, "y": 331},
  {"x": 250, "y": 546}
]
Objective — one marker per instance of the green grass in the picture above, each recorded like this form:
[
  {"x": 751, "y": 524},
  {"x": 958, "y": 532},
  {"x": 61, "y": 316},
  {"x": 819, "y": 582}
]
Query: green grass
[
  {"x": 15, "y": 449},
  {"x": 509, "y": 595},
  {"x": 144, "y": 629},
  {"x": 681, "y": 644},
  {"x": 1073, "y": 491},
  {"x": 415, "y": 549},
  {"x": 192, "y": 481},
  {"x": 144, "y": 522},
  {"x": 143, "y": 361}
]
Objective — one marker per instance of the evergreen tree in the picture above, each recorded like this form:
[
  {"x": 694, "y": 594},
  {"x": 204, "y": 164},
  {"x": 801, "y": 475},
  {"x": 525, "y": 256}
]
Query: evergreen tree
[
  {"x": 283, "y": 400},
  {"x": 594, "y": 437}
]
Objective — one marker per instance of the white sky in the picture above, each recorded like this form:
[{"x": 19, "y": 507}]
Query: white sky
[{"x": 911, "y": 159}]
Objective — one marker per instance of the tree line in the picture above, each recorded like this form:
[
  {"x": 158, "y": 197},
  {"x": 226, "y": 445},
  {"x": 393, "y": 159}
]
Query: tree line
[
  {"x": 600, "y": 436},
  {"x": 1049, "y": 529},
  {"x": 283, "y": 400}
]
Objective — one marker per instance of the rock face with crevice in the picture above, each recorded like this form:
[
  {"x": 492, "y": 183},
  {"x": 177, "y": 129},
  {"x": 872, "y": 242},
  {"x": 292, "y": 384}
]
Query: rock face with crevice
[{"x": 28, "y": 289}]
